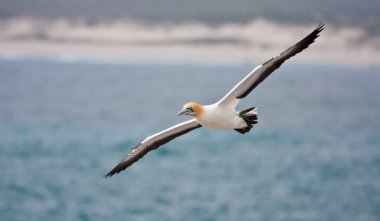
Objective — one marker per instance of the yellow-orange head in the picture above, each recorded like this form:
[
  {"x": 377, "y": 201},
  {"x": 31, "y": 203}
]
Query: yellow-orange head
[{"x": 192, "y": 109}]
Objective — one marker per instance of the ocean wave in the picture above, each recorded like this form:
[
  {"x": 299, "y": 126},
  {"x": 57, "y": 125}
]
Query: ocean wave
[{"x": 256, "y": 40}]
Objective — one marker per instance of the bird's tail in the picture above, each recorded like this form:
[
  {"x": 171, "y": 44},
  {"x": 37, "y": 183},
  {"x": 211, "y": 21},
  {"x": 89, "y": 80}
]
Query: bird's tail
[{"x": 250, "y": 117}]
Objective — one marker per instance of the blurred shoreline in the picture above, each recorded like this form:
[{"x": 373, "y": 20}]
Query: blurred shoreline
[{"x": 257, "y": 40}]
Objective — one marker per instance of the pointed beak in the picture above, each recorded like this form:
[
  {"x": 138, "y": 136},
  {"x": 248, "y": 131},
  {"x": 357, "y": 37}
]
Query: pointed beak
[{"x": 185, "y": 111}]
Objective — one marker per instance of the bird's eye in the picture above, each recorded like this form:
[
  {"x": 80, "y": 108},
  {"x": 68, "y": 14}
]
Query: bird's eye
[{"x": 190, "y": 108}]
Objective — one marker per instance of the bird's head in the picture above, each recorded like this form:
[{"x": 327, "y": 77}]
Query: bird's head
[{"x": 192, "y": 109}]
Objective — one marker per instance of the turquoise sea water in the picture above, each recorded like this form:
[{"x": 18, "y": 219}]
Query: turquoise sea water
[{"x": 315, "y": 154}]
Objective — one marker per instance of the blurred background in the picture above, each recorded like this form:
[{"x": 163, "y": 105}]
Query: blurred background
[
  {"x": 82, "y": 82},
  {"x": 214, "y": 30}
]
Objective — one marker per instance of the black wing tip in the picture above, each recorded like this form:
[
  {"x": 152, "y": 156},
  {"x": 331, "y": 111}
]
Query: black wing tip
[
  {"x": 290, "y": 52},
  {"x": 320, "y": 27},
  {"x": 111, "y": 173},
  {"x": 114, "y": 171},
  {"x": 317, "y": 30},
  {"x": 308, "y": 40},
  {"x": 108, "y": 175},
  {"x": 315, "y": 34},
  {"x": 119, "y": 168},
  {"x": 124, "y": 164}
]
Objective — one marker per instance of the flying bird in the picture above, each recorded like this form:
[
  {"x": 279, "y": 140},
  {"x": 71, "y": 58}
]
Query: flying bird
[{"x": 222, "y": 114}]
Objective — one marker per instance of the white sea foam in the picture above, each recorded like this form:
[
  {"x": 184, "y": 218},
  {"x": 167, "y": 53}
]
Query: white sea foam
[{"x": 257, "y": 40}]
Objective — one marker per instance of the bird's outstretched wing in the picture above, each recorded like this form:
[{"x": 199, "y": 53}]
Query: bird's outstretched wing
[
  {"x": 153, "y": 142},
  {"x": 257, "y": 75}
]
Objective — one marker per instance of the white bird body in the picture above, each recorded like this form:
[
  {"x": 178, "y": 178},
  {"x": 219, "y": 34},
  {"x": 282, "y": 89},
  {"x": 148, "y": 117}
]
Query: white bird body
[
  {"x": 220, "y": 117},
  {"x": 222, "y": 114}
]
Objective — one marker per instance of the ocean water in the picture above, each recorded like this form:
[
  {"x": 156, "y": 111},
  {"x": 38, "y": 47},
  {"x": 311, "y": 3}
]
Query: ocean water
[{"x": 315, "y": 154}]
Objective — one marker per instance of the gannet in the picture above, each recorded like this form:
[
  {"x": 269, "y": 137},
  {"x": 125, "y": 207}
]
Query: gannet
[{"x": 222, "y": 114}]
